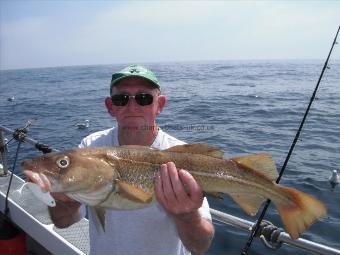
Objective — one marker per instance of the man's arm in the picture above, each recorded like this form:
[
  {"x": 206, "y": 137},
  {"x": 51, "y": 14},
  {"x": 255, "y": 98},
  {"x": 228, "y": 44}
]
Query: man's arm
[
  {"x": 181, "y": 196},
  {"x": 195, "y": 232}
]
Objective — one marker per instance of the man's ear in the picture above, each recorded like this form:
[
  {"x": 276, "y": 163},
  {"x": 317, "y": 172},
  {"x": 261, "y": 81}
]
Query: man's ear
[
  {"x": 109, "y": 106},
  {"x": 161, "y": 103}
]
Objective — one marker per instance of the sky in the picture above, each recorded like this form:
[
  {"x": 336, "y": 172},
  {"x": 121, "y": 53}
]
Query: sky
[{"x": 64, "y": 33}]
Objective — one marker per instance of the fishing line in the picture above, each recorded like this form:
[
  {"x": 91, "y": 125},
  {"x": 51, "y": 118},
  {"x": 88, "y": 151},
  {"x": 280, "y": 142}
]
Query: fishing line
[
  {"x": 256, "y": 227},
  {"x": 11, "y": 178}
]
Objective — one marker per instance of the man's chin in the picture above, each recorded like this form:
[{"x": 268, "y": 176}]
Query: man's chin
[{"x": 134, "y": 127}]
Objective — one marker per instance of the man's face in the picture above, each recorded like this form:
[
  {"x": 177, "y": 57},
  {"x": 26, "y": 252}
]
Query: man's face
[{"x": 134, "y": 116}]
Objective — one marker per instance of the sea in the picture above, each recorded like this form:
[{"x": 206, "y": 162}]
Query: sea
[{"x": 243, "y": 107}]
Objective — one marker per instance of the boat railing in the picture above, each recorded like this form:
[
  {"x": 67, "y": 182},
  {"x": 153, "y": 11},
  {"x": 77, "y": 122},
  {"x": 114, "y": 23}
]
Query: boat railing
[{"x": 271, "y": 236}]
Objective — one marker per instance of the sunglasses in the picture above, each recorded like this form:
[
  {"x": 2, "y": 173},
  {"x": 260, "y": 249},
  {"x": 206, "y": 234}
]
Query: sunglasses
[{"x": 142, "y": 99}]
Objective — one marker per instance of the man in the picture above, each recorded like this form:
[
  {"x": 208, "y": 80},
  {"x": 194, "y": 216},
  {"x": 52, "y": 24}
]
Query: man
[{"x": 181, "y": 222}]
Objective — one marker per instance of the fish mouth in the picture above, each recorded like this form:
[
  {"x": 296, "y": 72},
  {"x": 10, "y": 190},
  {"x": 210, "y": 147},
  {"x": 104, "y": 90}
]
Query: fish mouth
[
  {"x": 36, "y": 175},
  {"x": 40, "y": 179}
]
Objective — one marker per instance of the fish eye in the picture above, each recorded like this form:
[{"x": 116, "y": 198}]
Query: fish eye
[{"x": 63, "y": 162}]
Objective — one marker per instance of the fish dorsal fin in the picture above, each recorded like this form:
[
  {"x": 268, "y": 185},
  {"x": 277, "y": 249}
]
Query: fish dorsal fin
[
  {"x": 250, "y": 203},
  {"x": 203, "y": 149},
  {"x": 133, "y": 193},
  {"x": 262, "y": 163}
]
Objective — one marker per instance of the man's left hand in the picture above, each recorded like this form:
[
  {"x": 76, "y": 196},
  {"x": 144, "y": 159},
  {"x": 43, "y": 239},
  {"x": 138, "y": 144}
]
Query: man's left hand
[{"x": 178, "y": 192}]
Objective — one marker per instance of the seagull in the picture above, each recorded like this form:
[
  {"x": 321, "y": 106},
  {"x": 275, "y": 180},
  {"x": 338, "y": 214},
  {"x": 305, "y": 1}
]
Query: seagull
[
  {"x": 334, "y": 179},
  {"x": 10, "y": 99},
  {"x": 83, "y": 125}
]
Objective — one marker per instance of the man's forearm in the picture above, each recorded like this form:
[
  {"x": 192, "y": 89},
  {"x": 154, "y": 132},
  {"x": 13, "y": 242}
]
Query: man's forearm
[
  {"x": 195, "y": 232},
  {"x": 65, "y": 214}
]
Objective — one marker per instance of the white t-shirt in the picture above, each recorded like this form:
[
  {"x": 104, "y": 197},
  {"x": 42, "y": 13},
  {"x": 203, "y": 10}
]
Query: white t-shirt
[{"x": 144, "y": 231}]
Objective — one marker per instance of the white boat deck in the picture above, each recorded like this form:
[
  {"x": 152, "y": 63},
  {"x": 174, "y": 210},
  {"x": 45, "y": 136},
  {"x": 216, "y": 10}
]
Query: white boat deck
[{"x": 31, "y": 215}]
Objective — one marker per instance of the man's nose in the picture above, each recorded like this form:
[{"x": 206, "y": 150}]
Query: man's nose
[{"x": 132, "y": 104}]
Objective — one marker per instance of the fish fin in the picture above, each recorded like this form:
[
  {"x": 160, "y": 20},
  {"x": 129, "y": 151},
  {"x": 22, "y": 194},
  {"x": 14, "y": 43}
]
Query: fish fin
[
  {"x": 100, "y": 213},
  {"x": 262, "y": 163},
  {"x": 134, "y": 193},
  {"x": 301, "y": 213},
  {"x": 217, "y": 195},
  {"x": 203, "y": 149},
  {"x": 250, "y": 203}
]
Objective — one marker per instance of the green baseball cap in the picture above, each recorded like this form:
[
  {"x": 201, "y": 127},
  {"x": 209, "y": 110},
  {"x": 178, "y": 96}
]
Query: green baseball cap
[{"x": 134, "y": 71}]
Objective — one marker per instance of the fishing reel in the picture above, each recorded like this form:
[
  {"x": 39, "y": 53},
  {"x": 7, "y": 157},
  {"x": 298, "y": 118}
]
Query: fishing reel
[{"x": 269, "y": 234}]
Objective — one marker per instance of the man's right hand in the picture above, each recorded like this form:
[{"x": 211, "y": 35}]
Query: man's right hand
[{"x": 66, "y": 212}]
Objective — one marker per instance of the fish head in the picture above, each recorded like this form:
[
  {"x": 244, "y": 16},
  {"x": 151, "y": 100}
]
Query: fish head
[{"x": 72, "y": 171}]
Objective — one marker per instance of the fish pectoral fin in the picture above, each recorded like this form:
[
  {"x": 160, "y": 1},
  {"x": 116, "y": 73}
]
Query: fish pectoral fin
[
  {"x": 133, "y": 193},
  {"x": 262, "y": 163},
  {"x": 250, "y": 203},
  {"x": 100, "y": 213},
  {"x": 203, "y": 149}
]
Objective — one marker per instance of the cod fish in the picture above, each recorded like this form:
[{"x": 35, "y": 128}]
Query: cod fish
[{"x": 123, "y": 178}]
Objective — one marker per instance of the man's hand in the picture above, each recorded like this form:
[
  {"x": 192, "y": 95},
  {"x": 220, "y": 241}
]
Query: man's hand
[{"x": 177, "y": 191}]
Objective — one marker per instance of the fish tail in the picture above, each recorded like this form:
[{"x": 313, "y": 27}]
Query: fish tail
[{"x": 301, "y": 212}]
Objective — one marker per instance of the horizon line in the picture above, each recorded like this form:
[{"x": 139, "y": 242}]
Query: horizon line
[{"x": 166, "y": 62}]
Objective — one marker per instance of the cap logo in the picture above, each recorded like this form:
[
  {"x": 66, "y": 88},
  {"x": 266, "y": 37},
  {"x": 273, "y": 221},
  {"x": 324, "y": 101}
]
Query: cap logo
[{"x": 134, "y": 70}]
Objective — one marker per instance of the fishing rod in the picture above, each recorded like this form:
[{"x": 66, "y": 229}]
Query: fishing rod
[{"x": 264, "y": 210}]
